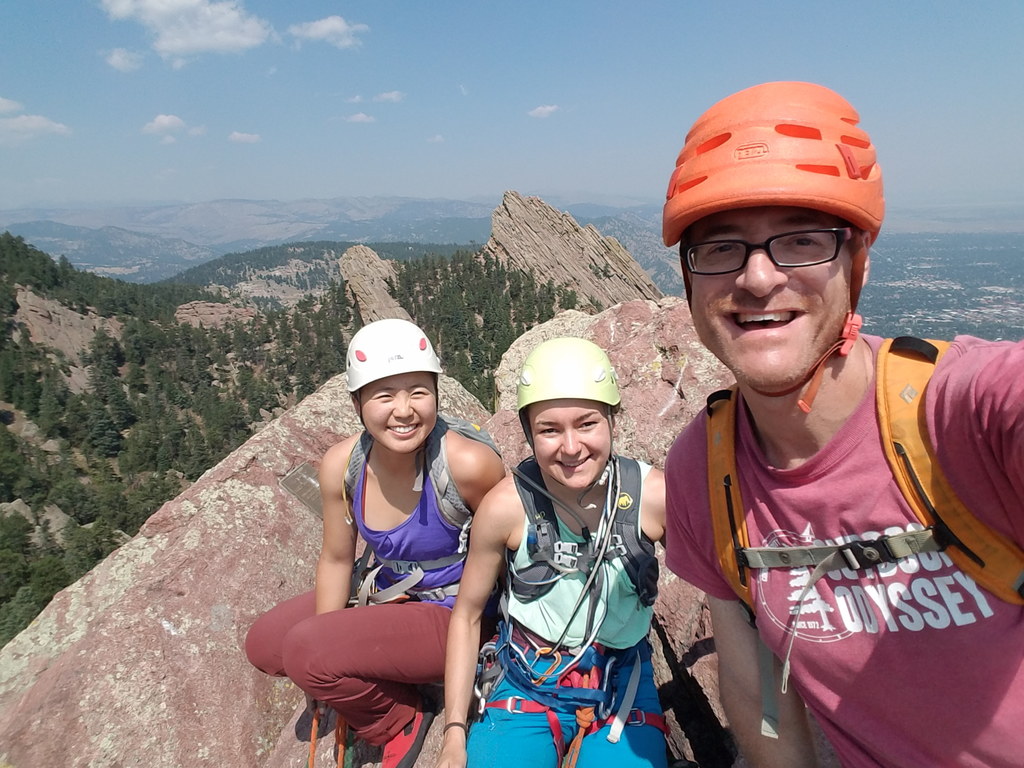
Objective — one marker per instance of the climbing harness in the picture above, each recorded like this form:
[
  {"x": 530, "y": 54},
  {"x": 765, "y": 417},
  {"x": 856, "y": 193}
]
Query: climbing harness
[{"x": 551, "y": 677}]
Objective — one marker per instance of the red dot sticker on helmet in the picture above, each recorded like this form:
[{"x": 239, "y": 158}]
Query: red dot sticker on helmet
[
  {"x": 360, "y": 356},
  {"x": 423, "y": 344}
]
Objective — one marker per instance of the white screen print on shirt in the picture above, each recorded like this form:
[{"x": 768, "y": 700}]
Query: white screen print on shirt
[{"x": 914, "y": 594}]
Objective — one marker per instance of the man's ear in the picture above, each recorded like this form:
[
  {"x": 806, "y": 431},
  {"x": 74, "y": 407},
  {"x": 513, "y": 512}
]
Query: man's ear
[{"x": 866, "y": 240}]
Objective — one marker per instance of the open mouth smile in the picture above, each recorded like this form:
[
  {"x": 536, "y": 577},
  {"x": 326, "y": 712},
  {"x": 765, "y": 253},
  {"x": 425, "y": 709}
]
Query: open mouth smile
[{"x": 754, "y": 320}]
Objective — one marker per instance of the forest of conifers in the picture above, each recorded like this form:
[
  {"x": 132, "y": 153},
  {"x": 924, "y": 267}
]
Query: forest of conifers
[{"x": 167, "y": 401}]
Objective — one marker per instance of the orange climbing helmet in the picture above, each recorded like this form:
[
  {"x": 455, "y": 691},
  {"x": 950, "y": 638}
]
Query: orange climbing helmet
[{"x": 785, "y": 143}]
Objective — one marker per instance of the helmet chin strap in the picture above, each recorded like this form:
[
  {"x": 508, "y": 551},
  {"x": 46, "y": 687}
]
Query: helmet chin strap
[{"x": 844, "y": 345}]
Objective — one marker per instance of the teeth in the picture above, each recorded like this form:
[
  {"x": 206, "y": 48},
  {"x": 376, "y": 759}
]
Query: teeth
[
  {"x": 765, "y": 317},
  {"x": 402, "y": 430}
]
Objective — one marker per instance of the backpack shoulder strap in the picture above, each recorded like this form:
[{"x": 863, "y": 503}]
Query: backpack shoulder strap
[
  {"x": 905, "y": 365},
  {"x": 724, "y": 494},
  {"x": 449, "y": 501},
  {"x": 354, "y": 468},
  {"x": 636, "y": 551}
]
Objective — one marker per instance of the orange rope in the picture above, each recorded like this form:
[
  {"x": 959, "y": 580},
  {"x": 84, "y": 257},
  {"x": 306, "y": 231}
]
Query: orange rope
[
  {"x": 311, "y": 763},
  {"x": 584, "y": 719},
  {"x": 340, "y": 739}
]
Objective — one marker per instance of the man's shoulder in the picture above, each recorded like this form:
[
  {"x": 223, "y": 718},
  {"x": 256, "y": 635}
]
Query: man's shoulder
[{"x": 688, "y": 445}]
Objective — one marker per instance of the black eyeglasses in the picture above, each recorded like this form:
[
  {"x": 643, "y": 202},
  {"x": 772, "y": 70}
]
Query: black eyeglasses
[{"x": 804, "y": 248}]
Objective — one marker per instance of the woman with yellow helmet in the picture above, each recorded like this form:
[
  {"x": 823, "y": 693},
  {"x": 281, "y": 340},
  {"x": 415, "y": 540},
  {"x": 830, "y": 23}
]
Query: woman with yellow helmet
[{"x": 573, "y": 532}]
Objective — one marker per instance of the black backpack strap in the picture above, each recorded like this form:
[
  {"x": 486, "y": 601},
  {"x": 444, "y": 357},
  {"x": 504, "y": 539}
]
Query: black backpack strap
[{"x": 636, "y": 551}]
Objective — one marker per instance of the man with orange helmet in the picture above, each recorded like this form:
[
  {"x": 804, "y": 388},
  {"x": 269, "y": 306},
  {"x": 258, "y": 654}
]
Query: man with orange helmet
[{"x": 775, "y": 201}]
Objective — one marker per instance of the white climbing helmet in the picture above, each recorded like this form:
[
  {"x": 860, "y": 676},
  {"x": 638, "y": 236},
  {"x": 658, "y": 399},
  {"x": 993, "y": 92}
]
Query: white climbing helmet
[{"x": 388, "y": 347}]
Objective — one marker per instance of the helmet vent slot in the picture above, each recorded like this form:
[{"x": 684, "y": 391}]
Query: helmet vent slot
[
  {"x": 825, "y": 170},
  {"x": 714, "y": 143},
  {"x": 853, "y": 141},
  {"x": 798, "y": 131},
  {"x": 683, "y": 186}
]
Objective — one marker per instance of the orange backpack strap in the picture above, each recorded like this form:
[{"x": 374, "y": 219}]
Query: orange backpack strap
[
  {"x": 724, "y": 494},
  {"x": 994, "y": 561}
]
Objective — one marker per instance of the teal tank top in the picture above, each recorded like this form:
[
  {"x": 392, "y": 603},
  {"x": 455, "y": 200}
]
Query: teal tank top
[{"x": 622, "y": 620}]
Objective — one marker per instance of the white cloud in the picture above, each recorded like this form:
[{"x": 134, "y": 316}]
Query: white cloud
[
  {"x": 15, "y": 130},
  {"x": 244, "y": 138},
  {"x": 6, "y": 105},
  {"x": 437, "y": 138},
  {"x": 186, "y": 27},
  {"x": 355, "y": 100},
  {"x": 197, "y": 130},
  {"x": 168, "y": 139},
  {"x": 124, "y": 60},
  {"x": 164, "y": 124},
  {"x": 393, "y": 96},
  {"x": 360, "y": 117},
  {"x": 463, "y": 90},
  {"x": 543, "y": 111},
  {"x": 333, "y": 29}
]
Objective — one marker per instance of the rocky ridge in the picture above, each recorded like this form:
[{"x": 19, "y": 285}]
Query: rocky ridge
[
  {"x": 529, "y": 234},
  {"x": 63, "y": 330},
  {"x": 211, "y": 314},
  {"x": 366, "y": 279}
]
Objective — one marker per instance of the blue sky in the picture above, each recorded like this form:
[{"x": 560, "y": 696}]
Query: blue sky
[{"x": 139, "y": 101}]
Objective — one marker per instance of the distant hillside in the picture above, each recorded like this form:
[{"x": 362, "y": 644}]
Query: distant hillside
[
  {"x": 170, "y": 238},
  {"x": 304, "y": 266},
  {"x": 113, "y": 251}
]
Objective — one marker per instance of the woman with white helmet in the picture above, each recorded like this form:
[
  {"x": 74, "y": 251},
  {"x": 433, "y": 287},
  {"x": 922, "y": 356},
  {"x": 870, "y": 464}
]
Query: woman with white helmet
[
  {"x": 568, "y": 680},
  {"x": 366, "y": 661}
]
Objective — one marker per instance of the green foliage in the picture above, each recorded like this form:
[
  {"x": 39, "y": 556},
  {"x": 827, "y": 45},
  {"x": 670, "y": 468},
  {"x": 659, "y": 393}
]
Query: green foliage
[
  {"x": 24, "y": 265},
  {"x": 473, "y": 308},
  {"x": 18, "y": 612}
]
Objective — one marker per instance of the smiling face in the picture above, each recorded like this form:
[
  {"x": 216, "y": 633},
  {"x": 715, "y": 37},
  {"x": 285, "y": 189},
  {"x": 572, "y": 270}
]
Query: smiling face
[
  {"x": 770, "y": 325},
  {"x": 572, "y": 441},
  {"x": 399, "y": 411}
]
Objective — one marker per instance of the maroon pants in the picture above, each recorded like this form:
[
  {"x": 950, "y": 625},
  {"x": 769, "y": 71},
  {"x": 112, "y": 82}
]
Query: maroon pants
[{"x": 363, "y": 662}]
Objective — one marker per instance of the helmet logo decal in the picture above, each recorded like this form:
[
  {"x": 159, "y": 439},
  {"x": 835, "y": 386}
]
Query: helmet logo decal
[
  {"x": 360, "y": 356},
  {"x": 625, "y": 501},
  {"x": 599, "y": 374},
  {"x": 423, "y": 344},
  {"x": 748, "y": 151},
  {"x": 393, "y": 358}
]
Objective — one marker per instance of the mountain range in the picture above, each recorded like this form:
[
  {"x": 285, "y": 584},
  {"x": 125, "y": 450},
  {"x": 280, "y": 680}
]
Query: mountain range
[{"x": 151, "y": 243}]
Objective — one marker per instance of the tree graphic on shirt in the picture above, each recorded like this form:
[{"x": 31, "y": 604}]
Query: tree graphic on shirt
[{"x": 812, "y": 602}]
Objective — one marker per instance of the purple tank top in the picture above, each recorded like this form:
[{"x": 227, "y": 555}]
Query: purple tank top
[{"x": 424, "y": 536}]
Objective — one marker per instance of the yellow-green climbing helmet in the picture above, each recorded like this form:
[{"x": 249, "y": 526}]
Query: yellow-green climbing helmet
[{"x": 567, "y": 368}]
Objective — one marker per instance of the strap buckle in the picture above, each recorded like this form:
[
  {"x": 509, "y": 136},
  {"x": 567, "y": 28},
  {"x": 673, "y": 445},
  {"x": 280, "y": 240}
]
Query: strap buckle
[
  {"x": 402, "y": 567},
  {"x": 861, "y": 555},
  {"x": 616, "y": 547},
  {"x": 514, "y": 704},
  {"x": 636, "y": 717},
  {"x": 566, "y": 554}
]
